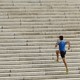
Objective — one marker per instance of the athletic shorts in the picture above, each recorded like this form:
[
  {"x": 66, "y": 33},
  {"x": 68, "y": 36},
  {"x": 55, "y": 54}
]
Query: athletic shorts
[{"x": 63, "y": 53}]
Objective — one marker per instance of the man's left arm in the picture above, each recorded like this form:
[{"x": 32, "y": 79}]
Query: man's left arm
[
  {"x": 68, "y": 42},
  {"x": 55, "y": 45}
]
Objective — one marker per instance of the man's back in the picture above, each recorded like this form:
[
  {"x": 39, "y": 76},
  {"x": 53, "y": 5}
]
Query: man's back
[{"x": 62, "y": 44}]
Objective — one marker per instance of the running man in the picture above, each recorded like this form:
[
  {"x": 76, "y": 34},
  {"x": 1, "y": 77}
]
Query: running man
[{"x": 62, "y": 43}]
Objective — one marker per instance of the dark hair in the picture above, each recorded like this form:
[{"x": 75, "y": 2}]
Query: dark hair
[{"x": 61, "y": 37}]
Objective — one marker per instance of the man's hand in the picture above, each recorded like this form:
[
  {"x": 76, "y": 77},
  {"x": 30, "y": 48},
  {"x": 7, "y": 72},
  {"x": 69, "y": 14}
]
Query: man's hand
[
  {"x": 68, "y": 45},
  {"x": 68, "y": 48},
  {"x": 56, "y": 45}
]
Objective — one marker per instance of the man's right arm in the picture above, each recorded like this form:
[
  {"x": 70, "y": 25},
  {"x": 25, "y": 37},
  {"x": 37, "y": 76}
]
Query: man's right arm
[{"x": 57, "y": 43}]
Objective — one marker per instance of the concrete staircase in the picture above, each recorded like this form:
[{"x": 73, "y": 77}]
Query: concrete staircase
[{"x": 28, "y": 33}]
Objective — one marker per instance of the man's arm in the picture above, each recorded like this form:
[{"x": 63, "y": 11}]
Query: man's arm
[
  {"x": 68, "y": 42},
  {"x": 55, "y": 45}
]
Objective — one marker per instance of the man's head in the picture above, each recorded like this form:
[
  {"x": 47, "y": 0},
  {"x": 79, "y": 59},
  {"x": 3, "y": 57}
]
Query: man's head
[{"x": 61, "y": 37}]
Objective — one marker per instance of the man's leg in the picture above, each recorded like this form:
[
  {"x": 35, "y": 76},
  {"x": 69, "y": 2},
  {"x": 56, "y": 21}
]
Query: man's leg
[
  {"x": 65, "y": 64},
  {"x": 57, "y": 54}
]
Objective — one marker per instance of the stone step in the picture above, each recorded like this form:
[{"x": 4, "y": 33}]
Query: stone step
[
  {"x": 18, "y": 3},
  {"x": 35, "y": 74},
  {"x": 62, "y": 79},
  {"x": 18, "y": 22},
  {"x": 39, "y": 26},
  {"x": 31, "y": 47},
  {"x": 3, "y": 17},
  {"x": 11, "y": 78},
  {"x": 36, "y": 62},
  {"x": 39, "y": 20},
  {"x": 39, "y": 7},
  {"x": 35, "y": 54},
  {"x": 36, "y": 51},
  {"x": 69, "y": 54},
  {"x": 40, "y": 23},
  {"x": 34, "y": 43},
  {"x": 16, "y": 66},
  {"x": 60, "y": 72},
  {"x": 22, "y": 78},
  {"x": 37, "y": 40},
  {"x": 15, "y": 13},
  {"x": 42, "y": 30},
  {"x": 42, "y": 35},
  {"x": 40, "y": 16},
  {"x": 35, "y": 37},
  {"x": 22, "y": 74},
  {"x": 52, "y": 76},
  {"x": 37, "y": 33},
  {"x": 14, "y": 8},
  {"x": 7, "y": 32},
  {"x": 37, "y": 69},
  {"x": 28, "y": 38},
  {"x": 63, "y": 15},
  {"x": 41, "y": 60}
]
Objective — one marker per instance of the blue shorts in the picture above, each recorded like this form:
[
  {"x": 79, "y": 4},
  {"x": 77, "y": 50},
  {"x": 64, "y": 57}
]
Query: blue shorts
[{"x": 63, "y": 53}]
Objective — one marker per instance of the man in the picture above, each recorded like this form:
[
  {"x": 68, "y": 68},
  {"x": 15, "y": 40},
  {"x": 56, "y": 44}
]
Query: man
[{"x": 62, "y": 43}]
